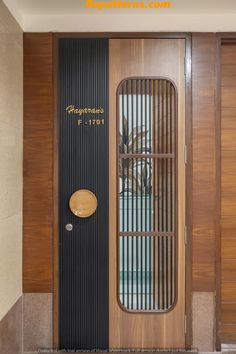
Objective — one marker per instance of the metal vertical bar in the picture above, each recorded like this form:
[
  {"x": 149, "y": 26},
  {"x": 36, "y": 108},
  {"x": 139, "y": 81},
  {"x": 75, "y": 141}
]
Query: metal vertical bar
[
  {"x": 164, "y": 272},
  {"x": 169, "y": 199},
  {"x": 159, "y": 150},
  {"x": 171, "y": 172},
  {"x": 160, "y": 172},
  {"x": 174, "y": 187},
  {"x": 169, "y": 266},
  {"x": 162, "y": 188},
  {"x": 171, "y": 180},
  {"x": 153, "y": 137},
  {"x": 171, "y": 163},
  {"x": 145, "y": 195},
  {"x": 171, "y": 196},
  {"x": 167, "y": 205},
  {"x": 128, "y": 188},
  {"x": 164, "y": 191},
  {"x": 162, "y": 150},
  {"x": 166, "y": 160},
  {"x": 137, "y": 226},
  {"x": 141, "y": 196},
  {"x": 123, "y": 195},
  {"x": 160, "y": 272},
  {"x": 172, "y": 207},
  {"x": 150, "y": 191},
  {"x": 173, "y": 272},
  {"x": 156, "y": 195},
  {"x": 132, "y": 239},
  {"x": 159, "y": 193}
]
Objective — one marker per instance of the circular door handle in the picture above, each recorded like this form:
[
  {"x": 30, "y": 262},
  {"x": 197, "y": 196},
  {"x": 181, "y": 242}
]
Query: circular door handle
[
  {"x": 83, "y": 203},
  {"x": 69, "y": 227}
]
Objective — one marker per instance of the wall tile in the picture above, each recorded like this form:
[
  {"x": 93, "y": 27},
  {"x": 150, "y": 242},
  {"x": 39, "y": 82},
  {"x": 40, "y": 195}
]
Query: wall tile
[
  {"x": 11, "y": 330},
  {"x": 203, "y": 312},
  {"x": 37, "y": 322}
]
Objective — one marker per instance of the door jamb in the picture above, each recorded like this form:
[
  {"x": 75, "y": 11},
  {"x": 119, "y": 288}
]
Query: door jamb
[{"x": 188, "y": 135}]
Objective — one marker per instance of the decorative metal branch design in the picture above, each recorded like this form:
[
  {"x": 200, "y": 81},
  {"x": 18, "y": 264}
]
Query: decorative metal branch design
[{"x": 136, "y": 176}]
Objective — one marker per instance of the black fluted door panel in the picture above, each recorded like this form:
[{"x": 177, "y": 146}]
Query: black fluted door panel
[{"x": 83, "y": 164}]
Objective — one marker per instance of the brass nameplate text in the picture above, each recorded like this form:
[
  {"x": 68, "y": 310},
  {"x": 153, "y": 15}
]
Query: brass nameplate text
[{"x": 72, "y": 109}]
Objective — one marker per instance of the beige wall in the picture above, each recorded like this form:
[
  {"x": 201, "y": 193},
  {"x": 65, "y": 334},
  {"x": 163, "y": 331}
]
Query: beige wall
[
  {"x": 11, "y": 119},
  {"x": 100, "y": 22},
  {"x": 72, "y": 16}
]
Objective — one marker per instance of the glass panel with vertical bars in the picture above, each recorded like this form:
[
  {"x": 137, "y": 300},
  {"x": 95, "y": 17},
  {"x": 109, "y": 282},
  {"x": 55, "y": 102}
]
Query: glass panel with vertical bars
[{"x": 147, "y": 122}]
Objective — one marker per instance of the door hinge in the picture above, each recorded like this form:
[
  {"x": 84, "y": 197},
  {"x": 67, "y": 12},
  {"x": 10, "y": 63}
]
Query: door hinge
[
  {"x": 185, "y": 235},
  {"x": 185, "y": 324},
  {"x": 185, "y": 154}
]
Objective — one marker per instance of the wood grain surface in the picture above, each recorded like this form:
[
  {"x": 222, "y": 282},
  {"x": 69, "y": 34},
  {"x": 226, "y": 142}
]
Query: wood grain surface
[
  {"x": 38, "y": 164},
  {"x": 204, "y": 162},
  {"x": 228, "y": 193},
  {"x": 150, "y": 58}
]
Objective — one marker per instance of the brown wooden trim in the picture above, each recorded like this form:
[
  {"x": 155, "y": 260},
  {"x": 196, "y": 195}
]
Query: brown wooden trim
[
  {"x": 55, "y": 202},
  {"x": 146, "y": 156},
  {"x": 188, "y": 115},
  {"x": 218, "y": 192},
  {"x": 176, "y": 234},
  {"x": 223, "y": 38},
  {"x": 189, "y": 190},
  {"x": 121, "y": 35},
  {"x": 145, "y": 233},
  {"x": 226, "y": 35}
]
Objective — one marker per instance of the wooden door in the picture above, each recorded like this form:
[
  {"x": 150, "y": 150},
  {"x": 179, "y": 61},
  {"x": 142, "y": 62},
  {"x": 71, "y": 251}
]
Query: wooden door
[{"x": 147, "y": 84}]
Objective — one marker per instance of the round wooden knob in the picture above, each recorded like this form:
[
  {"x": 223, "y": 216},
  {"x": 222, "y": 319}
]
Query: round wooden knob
[{"x": 83, "y": 203}]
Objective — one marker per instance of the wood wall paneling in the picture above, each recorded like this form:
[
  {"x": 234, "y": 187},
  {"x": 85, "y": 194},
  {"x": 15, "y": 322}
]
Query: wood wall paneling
[
  {"x": 38, "y": 163},
  {"x": 228, "y": 193},
  {"x": 204, "y": 162},
  {"x": 228, "y": 333}
]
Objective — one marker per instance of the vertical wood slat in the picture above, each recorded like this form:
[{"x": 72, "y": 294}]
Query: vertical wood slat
[{"x": 38, "y": 163}]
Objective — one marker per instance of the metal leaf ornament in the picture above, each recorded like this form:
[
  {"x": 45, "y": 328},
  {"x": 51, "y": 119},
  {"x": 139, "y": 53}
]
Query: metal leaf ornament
[{"x": 136, "y": 177}]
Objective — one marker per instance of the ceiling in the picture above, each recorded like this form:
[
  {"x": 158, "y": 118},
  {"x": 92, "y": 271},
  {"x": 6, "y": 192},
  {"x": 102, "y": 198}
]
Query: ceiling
[
  {"x": 72, "y": 15},
  {"x": 78, "y": 6}
]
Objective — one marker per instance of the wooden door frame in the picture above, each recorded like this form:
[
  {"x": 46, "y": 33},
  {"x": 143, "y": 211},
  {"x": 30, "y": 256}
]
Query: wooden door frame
[
  {"x": 188, "y": 134},
  {"x": 221, "y": 38}
]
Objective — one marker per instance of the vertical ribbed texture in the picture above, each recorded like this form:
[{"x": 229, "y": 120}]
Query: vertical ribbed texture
[
  {"x": 147, "y": 199},
  {"x": 83, "y": 164}
]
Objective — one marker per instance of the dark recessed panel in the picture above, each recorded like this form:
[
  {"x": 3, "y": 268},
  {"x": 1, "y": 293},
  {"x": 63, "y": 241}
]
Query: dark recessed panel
[{"x": 83, "y": 165}]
